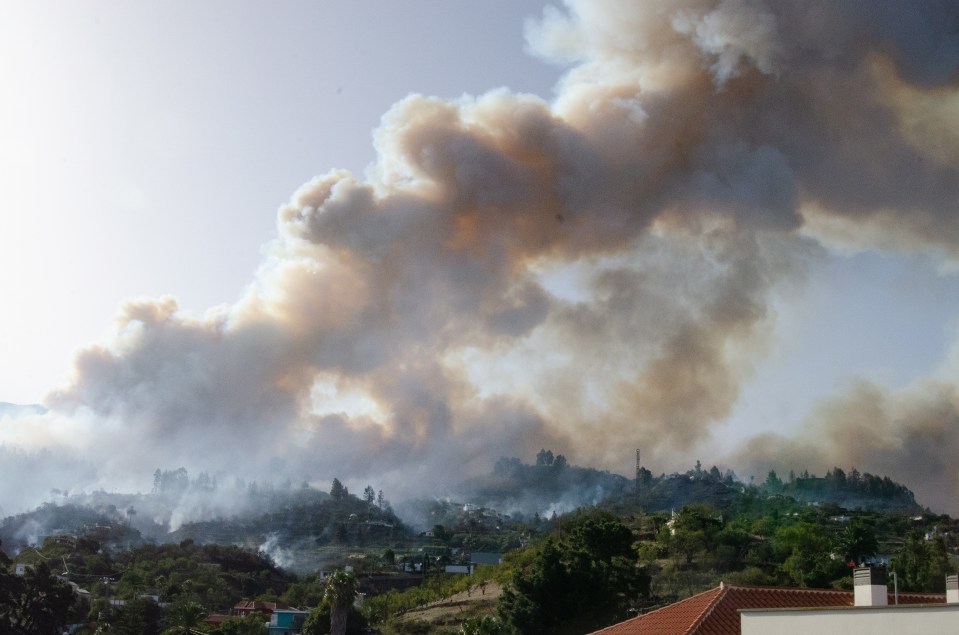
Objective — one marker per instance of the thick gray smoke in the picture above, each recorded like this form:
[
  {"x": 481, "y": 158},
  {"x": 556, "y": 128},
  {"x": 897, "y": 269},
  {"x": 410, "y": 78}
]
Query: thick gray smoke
[{"x": 588, "y": 274}]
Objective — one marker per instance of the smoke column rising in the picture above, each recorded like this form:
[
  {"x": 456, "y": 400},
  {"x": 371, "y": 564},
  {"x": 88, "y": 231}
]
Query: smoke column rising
[{"x": 585, "y": 274}]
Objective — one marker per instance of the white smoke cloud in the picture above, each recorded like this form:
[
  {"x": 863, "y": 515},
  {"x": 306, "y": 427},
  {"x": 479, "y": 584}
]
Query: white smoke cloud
[
  {"x": 281, "y": 557},
  {"x": 689, "y": 164}
]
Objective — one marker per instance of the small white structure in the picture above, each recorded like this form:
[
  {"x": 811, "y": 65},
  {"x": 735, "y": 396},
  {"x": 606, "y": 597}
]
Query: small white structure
[{"x": 869, "y": 587}]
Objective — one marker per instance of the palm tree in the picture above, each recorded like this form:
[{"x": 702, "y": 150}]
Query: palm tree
[
  {"x": 341, "y": 588},
  {"x": 186, "y": 617}
]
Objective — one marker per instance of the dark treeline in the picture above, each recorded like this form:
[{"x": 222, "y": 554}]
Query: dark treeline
[{"x": 852, "y": 490}]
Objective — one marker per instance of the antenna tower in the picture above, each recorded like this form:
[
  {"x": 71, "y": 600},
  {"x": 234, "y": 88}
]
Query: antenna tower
[{"x": 639, "y": 475}]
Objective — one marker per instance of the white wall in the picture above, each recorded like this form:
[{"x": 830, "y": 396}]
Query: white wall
[{"x": 881, "y": 620}]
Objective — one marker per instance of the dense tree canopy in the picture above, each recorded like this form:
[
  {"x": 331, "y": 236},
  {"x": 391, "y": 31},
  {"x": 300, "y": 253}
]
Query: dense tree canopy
[
  {"x": 577, "y": 585},
  {"x": 36, "y": 603},
  {"x": 922, "y": 565}
]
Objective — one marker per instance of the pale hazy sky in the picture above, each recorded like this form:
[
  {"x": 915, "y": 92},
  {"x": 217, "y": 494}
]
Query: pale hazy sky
[
  {"x": 148, "y": 145},
  {"x": 145, "y": 148}
]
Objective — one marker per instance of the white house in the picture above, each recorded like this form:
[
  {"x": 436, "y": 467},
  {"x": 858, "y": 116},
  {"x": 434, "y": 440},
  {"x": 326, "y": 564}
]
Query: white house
[{"x": 871, "y": 615}]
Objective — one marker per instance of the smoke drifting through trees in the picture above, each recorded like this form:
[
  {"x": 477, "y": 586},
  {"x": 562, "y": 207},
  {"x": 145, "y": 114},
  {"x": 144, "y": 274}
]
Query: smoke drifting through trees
[{"x": 595, "y": 272}]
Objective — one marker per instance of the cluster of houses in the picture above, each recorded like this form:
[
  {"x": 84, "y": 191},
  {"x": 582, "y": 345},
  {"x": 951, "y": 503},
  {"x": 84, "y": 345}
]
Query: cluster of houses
[{"x": 281, "y": 618}]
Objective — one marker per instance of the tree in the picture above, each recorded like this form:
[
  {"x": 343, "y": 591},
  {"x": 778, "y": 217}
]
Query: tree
[
  {"x": 533, "y": 603},
  {"x": 922, "y": 565},
  {"x": 389, "y": 557},
  {"x": 318, "y": 621},
  {"x": 369, "y": 495},
  {"x": 337, "y": 491},
  {"x": 441, "y": 534},
  {"x": 693, "y": 531},
  {"x": 137, "y": 617},
  {"x": 341, "y": 588},
  {"x": 560, "y": 462},
  {"x": 577, "y": 586},
  {"x": 11, "y": 590},
  {"x": 252, "y": 624},
  {"x": 858, "y": 540},
  {"x": 773, "y": 482},
  {"x": 185, "y": 617},
  {"x": 486, "y": 625},
  {"x": 807, "y": 554},
  {"x": 36, "y": 603},
  {"x": 544, "y": 457}
]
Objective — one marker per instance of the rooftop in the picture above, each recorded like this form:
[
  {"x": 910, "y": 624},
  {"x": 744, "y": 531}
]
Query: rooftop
[
  {"x": 248, "y": 606},
  {"x": 716, "y": 611}
]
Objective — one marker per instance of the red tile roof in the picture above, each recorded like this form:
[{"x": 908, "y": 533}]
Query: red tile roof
[
  {"x": 249, "y": 606},
  {"x": 216, "y": 619},
  {"x": 716, "y": 612}
]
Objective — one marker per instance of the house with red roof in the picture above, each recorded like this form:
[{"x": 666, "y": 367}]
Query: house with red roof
[
  {"x": 283, "y": 619},
  {"x": 257, "y": 606},
  {"x": 736, "y": 610}
]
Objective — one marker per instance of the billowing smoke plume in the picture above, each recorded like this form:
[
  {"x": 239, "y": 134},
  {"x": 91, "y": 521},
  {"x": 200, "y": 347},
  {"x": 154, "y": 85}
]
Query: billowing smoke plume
[
  {"x": 588, "y": 274},
  {"x": 911, "y": 435}
]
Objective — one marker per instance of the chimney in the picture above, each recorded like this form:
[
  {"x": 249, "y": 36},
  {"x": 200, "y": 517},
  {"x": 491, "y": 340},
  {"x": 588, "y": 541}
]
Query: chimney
[
  {"x": 952, "y": 588},
  {"x": 870, "y": 586}
]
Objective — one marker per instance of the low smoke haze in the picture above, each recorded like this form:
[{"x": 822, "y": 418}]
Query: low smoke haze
[{"x": 619, "y": 264}]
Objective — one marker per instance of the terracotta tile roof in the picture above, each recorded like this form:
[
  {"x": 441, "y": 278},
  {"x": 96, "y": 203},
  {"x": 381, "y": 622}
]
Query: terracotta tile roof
[
  {"x": 716, "y": 612},
  {"x": 248, "y": 606},
  {"x": 216, "y": 619},
  {"x": 675, "y": 618}
]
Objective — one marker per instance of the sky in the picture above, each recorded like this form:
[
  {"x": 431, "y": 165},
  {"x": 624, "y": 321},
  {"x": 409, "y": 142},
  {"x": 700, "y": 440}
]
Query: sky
[{"x": 384, "y": 241}]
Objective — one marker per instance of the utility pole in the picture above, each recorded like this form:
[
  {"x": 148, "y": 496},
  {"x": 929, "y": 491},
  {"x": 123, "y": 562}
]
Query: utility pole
[{"x": 639, "y": 475}]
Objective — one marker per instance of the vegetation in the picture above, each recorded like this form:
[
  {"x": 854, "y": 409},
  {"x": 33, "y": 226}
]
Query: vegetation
[
  {"x": 35, "y": 603},
  {"x": 587, "y": 580},
  {"x": 637, "y": 545},
  {"x": 855, "y": 490},
  {"x": 341, "y": 590}
]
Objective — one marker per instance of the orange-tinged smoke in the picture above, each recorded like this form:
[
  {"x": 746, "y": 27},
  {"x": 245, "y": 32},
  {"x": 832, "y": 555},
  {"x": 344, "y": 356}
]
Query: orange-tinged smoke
[{"x": 676, "y": 169}]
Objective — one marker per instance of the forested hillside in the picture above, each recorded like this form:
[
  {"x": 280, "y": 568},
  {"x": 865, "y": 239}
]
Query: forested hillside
[{"x": 638, "y": 544}]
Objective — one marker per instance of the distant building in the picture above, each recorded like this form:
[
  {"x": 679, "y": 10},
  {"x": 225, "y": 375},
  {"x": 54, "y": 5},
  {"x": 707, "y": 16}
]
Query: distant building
[
  {"x": 256, "y": 606},
  {"x": 485, "y": 557},
  {"x": 287, "y": 621},
  {"x": 283, "y": 619},
  {"x": 871, "y": 613},
  {"x": 216, "y": 620}
]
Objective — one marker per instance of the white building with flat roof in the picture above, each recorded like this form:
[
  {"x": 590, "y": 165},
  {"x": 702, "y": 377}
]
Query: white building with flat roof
[
  {"x": 911, "y": 619},
  {"x": 871, "y": 615}
]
